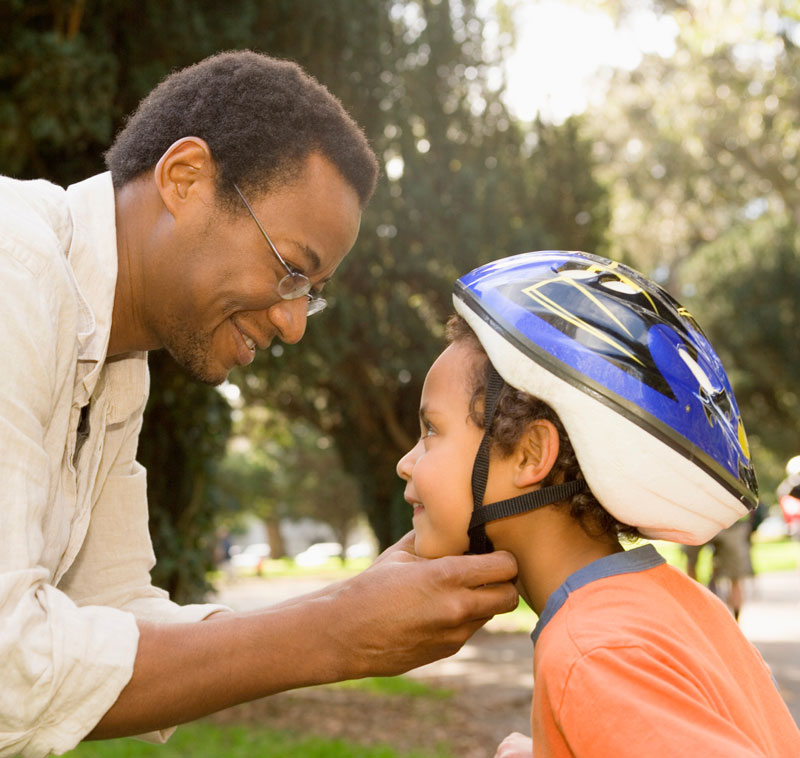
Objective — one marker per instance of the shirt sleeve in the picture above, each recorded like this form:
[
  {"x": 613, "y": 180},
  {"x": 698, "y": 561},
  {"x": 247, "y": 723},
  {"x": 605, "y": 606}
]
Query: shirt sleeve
[
  {"x": 625, "y": 701},
  {"x": 113, "y": 566},
  {"x": 62, "y": 666}
]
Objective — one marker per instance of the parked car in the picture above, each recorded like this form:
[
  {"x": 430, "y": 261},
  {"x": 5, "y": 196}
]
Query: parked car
[
  {"x": 318, "y": 553},
  {"x": 250, "y": 558},
  {"x": 360, "y": 550}
]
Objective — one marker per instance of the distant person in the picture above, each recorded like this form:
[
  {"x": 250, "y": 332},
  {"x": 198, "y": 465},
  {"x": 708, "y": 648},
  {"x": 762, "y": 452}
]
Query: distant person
[
  {"x": 692, "y": 555},
  {"x": 233, "y": 194},
  {"x": 731, "y": 563},
  {"x": 789, "y": 496},
  {"x": 578, "y": 403}
]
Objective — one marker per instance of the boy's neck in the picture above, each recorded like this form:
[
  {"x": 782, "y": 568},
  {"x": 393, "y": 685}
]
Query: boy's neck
[{"x": 549, "y": 545}]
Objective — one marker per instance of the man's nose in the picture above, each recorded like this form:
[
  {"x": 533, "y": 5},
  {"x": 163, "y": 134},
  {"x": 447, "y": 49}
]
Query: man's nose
[{"x": 289, "y": 317}]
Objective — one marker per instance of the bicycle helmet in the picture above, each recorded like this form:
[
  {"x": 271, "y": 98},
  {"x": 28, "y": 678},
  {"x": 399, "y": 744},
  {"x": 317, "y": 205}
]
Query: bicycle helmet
[{"x": 640, "y": 391}]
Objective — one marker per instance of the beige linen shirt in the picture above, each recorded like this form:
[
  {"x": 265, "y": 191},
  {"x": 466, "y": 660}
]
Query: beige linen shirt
[{"x": 75, "y": 550}]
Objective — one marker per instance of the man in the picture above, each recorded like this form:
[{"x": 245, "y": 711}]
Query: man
[{"x": 235, "y": 191}]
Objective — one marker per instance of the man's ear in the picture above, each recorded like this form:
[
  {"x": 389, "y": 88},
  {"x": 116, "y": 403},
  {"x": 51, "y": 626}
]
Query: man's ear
[
  {"x": 185, "y": 170},
  {"x": 536, "y": 453}
]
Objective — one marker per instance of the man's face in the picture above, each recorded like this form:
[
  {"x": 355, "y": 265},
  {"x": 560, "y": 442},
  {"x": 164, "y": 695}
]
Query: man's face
[{"x": 213, "y": 299}]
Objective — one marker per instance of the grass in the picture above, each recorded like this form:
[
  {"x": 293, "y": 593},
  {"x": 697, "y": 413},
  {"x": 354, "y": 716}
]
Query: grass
[
  {"x": 202, "y": 740},
  {"x": 282, "y": 567},
  {"x": 208, "y": 741},
  {"x": 767, "y": 556},
  {"x": 394, "y": 685}
]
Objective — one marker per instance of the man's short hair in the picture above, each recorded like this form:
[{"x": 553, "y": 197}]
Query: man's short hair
[{"x": 261, "y": 118}]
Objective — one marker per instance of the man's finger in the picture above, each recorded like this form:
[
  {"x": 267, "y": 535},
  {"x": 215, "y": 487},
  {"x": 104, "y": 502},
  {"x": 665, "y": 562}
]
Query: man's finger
[
  {"x": 478, "y": 570},
  {"x": 490, "y": 600}
]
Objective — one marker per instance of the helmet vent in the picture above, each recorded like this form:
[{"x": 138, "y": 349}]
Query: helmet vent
[
  {"x": 698, "y": 373},
  {"x": 624, "y": 288}
]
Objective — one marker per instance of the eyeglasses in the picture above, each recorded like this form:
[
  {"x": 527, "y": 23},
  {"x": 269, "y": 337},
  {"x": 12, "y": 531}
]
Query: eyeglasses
[{"x": 295, "y": 284}]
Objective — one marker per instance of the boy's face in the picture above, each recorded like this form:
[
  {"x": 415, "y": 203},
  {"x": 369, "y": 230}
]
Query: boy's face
[{"x": 438, "y": 469}]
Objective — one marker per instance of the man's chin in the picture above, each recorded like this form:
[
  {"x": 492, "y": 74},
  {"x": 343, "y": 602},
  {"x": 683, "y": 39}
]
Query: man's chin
[{"x": 201, "y": 371}]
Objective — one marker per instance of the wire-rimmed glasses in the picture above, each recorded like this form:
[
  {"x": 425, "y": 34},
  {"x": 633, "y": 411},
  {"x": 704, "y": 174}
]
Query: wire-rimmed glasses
[{"x": 295, "y": 284}]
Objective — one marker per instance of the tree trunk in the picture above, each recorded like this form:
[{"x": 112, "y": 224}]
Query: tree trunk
[{"x": 277, "y": 548}]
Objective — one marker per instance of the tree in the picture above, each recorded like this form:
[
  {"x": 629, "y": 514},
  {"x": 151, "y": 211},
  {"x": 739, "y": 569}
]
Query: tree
[
  {"x": 69, "y": 72},
  {"x": 419, "y": 79},
  {"x": 746, "y": 285},
  {"x": 707, "y": 137},
  {"x": 277, "y": 469},
  {"x": 701, "y": 151},
  {"x": 463, "y": 185},
  {"x": 189, "y": 425}
]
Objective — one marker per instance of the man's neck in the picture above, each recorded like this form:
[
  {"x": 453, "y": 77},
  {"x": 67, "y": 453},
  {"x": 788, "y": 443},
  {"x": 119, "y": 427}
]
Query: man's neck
[{"x": 137, "y": 207}]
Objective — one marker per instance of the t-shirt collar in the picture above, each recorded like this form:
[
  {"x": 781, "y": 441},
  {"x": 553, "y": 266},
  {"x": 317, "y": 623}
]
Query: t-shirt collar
[{"x": 626, "y": 562}]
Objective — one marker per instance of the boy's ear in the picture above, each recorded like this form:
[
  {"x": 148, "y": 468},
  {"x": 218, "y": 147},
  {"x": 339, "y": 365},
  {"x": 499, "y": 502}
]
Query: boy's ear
[
  {"x": 536, "y": 453},
  {"x": 185, "y": 168}
]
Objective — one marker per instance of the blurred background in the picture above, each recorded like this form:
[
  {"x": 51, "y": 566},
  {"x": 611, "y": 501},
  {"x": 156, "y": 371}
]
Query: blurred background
[{"x": 664, "y": 134}]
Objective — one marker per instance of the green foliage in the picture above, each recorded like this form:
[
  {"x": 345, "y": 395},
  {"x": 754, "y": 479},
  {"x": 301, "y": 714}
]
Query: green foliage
[
  {"x": 464, "y": 185},
  {"x": 474, "y": 187},
  {"x": 189, "y": 424},
  {"x": 747, "y": 285},
  {"x": 779, "y": 555},
  {"x": 698, "y": 140},
  {"x": 280, "y": 469},
  {"x": 701, "y": 152},
  {"x": 206, "y": 741}
]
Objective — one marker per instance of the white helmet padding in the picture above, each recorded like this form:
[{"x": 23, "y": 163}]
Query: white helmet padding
[{"x": 638, "y": 478}]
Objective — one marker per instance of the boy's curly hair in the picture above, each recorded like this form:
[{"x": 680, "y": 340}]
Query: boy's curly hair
[
  {"x": 515, "y": 410},
  {"x": 261, "y": 118}
]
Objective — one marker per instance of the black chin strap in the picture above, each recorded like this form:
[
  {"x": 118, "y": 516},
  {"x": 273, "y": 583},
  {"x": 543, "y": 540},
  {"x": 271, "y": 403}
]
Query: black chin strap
[{"x": 481, "y": 514}]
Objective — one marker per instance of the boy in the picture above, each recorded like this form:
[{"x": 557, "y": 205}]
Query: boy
[{"x": 577, "y": 403}]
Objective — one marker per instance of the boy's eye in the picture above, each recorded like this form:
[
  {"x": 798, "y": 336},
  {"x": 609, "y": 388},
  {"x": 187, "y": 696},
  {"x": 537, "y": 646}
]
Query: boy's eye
[{"x": 428, "y": 429}]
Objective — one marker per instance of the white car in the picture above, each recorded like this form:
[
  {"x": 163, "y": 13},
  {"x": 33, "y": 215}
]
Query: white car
[
  {"x": 360, "y": 550},
  {"x": 250, "y": 556},
  {"x": 318, "y": 553}
]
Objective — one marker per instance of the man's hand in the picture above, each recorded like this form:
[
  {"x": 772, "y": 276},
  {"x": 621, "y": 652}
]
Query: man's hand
[
  {"x": 401, "y": 612},
  {"x": 516, "y": 745},
  {"x": 405, "y": 611}
]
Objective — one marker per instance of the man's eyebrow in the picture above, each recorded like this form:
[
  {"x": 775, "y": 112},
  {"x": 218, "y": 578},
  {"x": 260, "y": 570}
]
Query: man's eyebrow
[
  {"x": 315, "y": 263},
  {"x": 312, "y": 256},
  {"x": 313, "y": 260}
]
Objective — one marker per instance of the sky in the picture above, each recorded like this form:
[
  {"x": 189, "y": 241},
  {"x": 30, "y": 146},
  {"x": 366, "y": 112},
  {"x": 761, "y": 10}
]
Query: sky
[{"x": 563, "y": 50}]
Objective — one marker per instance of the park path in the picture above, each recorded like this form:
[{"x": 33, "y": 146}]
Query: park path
[{"x": 500, "y": 661}]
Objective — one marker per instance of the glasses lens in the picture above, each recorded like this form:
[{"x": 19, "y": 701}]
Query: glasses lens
[
  {"x": 315, "y": 305},
  {"x": 294, "y": 285}
]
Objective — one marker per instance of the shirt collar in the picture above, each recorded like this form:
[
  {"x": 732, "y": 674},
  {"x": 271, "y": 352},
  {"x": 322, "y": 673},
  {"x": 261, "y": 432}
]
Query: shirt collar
[
  {"x": 92, "y": 257},
  {"x": 626, "y": 562}
]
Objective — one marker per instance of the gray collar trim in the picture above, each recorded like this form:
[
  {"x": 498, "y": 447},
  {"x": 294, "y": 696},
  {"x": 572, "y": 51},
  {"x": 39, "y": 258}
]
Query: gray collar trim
[{"x": 627, "y": 562}]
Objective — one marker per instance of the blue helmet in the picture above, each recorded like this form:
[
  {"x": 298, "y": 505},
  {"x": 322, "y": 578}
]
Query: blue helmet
[{"x": 642, "y": 395}]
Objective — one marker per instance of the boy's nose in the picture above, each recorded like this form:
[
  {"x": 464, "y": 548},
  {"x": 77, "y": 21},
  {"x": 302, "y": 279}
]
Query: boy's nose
[{"x": 406, "y": 464}]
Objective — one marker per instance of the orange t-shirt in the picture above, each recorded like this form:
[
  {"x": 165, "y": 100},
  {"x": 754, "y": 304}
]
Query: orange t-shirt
[{"x": 633, "y": 658}]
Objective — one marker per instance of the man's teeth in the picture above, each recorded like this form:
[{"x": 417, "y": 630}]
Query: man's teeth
[{"x": 250, "y": 343}]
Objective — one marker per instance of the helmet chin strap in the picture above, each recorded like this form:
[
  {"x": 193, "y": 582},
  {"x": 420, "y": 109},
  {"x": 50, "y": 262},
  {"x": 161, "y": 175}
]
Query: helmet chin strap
[{"x": 479, "y": 542}]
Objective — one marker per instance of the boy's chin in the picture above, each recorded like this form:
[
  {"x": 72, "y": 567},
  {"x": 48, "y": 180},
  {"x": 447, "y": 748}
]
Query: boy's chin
[{"x": 428, "y": 548}]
